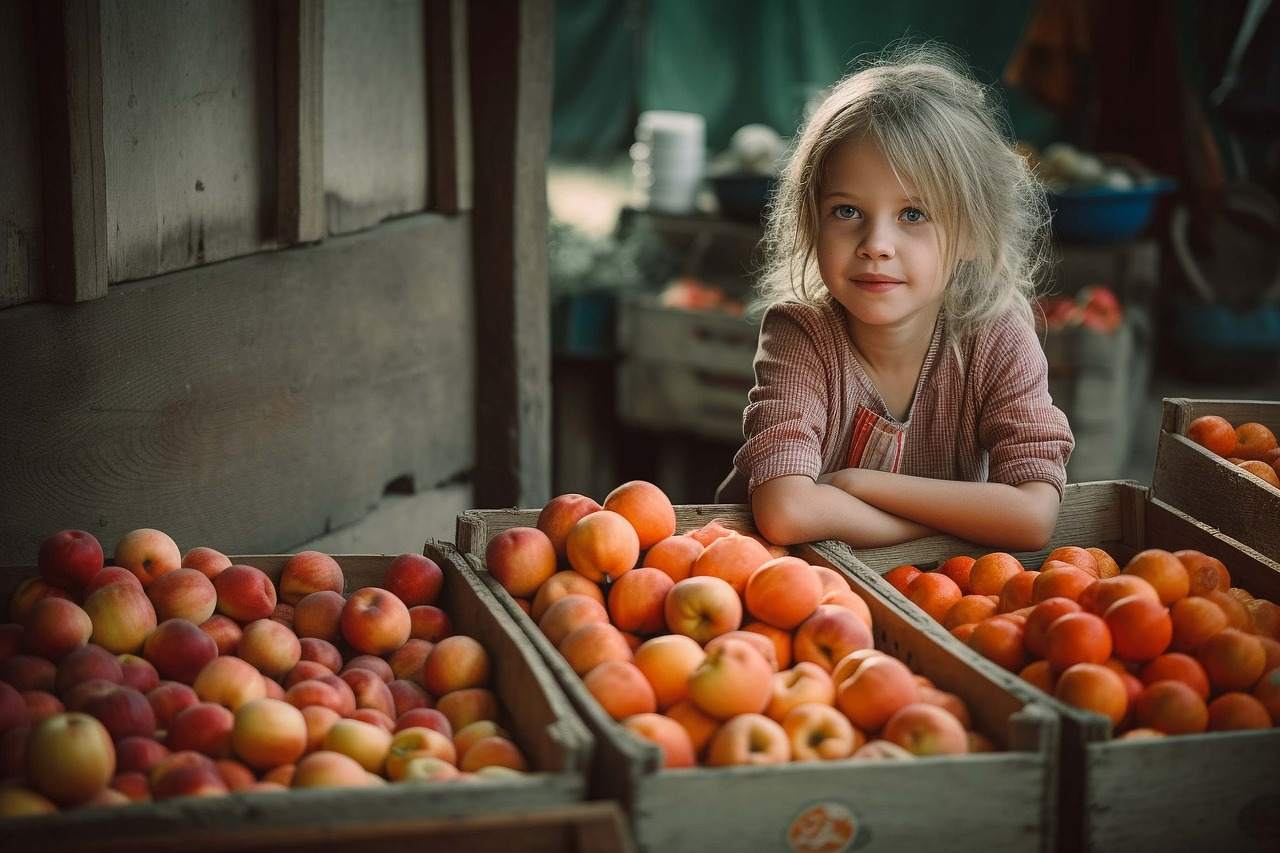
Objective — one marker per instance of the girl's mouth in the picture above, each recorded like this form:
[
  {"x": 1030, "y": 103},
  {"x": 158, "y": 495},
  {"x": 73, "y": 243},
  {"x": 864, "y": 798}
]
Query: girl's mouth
[{"x": 877, "y": 285}]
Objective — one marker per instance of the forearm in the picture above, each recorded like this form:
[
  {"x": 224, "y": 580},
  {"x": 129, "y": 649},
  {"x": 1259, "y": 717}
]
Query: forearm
[
  {"x": 800, "y": 510},
  {"x": 1015, "y": 517}
]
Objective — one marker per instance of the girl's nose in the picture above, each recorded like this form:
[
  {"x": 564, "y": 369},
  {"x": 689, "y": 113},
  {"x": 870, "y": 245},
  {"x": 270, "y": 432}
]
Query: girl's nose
[{"x": 875, "y": 244}]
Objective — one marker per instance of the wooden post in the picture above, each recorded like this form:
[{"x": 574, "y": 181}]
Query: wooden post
[
  {"x": 510, "y": 73},
  {"x": 300, "y": 121},
  {"x": 69, "y": 38},
  {"x": 448, "y": 108}
]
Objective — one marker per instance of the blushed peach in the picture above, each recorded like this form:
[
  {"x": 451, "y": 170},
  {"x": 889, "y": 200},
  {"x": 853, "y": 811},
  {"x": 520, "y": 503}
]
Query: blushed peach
[
  {"x": 673, "y": 556},
  {"x": 207, "y": 561},
  {"x": 407, "y": 661},
  {"x": 179, "y": 650},
  {"x": 307, "y": 572},
  {"x": 268, "y": 733},
  {"x": 593, "y": 644},
  {"x": 376, "y": 665},
  {"x": 521, "y": 559},
  {"x": 319, "y": 615},
  {"x": 224, "y": 632},
  {"x": 621, "y": 689},
  {"x": 83, "y": 664},
  {"x": 370, "y": 690},
  {"x": 167, "y": 699},
  {"x": 751, "y": 739},
  {"x": 783, "y": 592},
  {"x": 69, "y": 559},
  {"x": 702, "y": 608},
  {"x": 567, "y": 615},
  {"x": 245, "y": 594},
  {"x": 415, "y": 579},
  {"x": 138, "y": 673},
  {"x": 427, "y": 622},
  {"x": 123, "y": 711},
  {"x": 667, "y": 662},
  {"x": 375, "y": 622},
  {"x": 204, "y": 728},
  {"x": 122, "y": 617},
  {"x": 183, "y": 594},
  {"x": 321, "y": 652},
  {"x": 732, "y": 559},
  {"x": 560, "y": 514},
  {"x": 602, "y": 545},
  {"x": 733, "y": 679},
  {"x": 492, "y": 752},
  {"x": 428, "y": 717},
  {"x": 229, "y": 682},
  {"x": 818, "y": 732},
  {"x": 805, "y": 684},
  {"x": 407, "y": 695},
  {"x": 646, "y": 507},
  {"x": 55, "y": 627},
  {"x": 148, "y": 554},
  {"x": 830, "y": 634}
]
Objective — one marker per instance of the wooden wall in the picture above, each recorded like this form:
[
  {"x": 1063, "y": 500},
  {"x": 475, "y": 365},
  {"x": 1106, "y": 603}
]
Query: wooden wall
[{"x": 279, "y": 198}]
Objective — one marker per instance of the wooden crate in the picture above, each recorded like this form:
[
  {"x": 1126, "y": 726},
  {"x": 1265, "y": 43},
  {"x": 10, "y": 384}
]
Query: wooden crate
[
  {"x": 683, "y": 370},
  {"x": 993, "y": 801},
  {"x": 549, "y": 732},
  {"x": 1209, "y": 488},
  {"x": 1191, "y": 792}
]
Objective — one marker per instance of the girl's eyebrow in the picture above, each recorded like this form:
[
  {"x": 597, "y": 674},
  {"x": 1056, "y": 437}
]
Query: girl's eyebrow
[{"x": 830, "y": 194}]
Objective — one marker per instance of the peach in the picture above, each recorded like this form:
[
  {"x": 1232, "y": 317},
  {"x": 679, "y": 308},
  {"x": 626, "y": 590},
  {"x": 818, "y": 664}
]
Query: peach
[
  {"x": 346, "y": 692},
  {"x": 455, "y": 663},
  {"x": 406, "y": 662},
  {"x": 880, "y": 750},
  {"x": 830, "y": 634},
  {"x": 204, "y": 728},
  {"x": 521, "y": 559},
  {"x": 667, "y": 662},
  {"x": 70, "y": 758},
  {"x": 366, "y": 743},
  {"x": 702, "y": 608},
  {"x": 40, "y": 704},
  {"x": 429, "y": 770},
  {"x": 674, "y": 556},
  {"x": 270, "y": 647},
  {"x": 805, "y": 684},
  {"x": 593, "y": 644},
  {"x": 428, "y": 717},
  {"x": 309, "y": 693},
  {"x": 415, "y": 579},
  {"x": 417, "y": 742},
  {"x": 602, "y": 545},
  {"x": 268, "y": 733},
  {"x": 568, "y": 614},
  {"x": 851, "y": 601},
  {"x": 283, "y": 614},
  {"x": 848, "y": 665},
  {"x": 952, "y": 703},
  {"x": 13, "y": 752},
  {"x": 123, "y": 711},
  {"x": 16, "y": 801},
  {"x": 466, "y": 706},
  {"x": 133, "y": 785},
  {"x": 621, "y": 689},
  {"x": 28, "y": 672},
  {"x": 148, "y": 554},
  {"x": 427, "y": 622},
  {"x": 667, "y": 734},
  {"x": 557, "y": 587},
  {"x": 636, "y": 600},
  {"x": 183, "y": 594},
  {"x": 179, "y": 650},
  {"x": 374, "y": 717},
  {"x": 732, "y": 559},
  {"x": 138, "y": 754},
  {"x": 307, "y": 572},
  {"x": 376, "y": 665},
  {"x": 699, "y": 726},
  {"x": 245, "y": 593},
  {"x": 407, "y": 695},
  {"x": 876, "y": 691},
  {"x": 206, "y": 561},
  {"x": 319, "y": 615},
  {"x": 370, "y": 690},
  {"x": 30, "y": 591},
  {"x": 646, "y": 507},
  {"x": 56, "y": 627},
  {"x": 759, "y": 642},
  {"x": 733, "y": 679},
  {"x": 168, "y": 699},
  {"x": 924, "y": 729},
  {"x": 69, "y": 559},
  {"x": 319, "y": 720},
  {"x": 14, "y": 711},
  {"x": 818, "y": 732},
  {"x": 138, "y": 673},
  {"x": 322, "y": 652},
  {"x": 122, "y": 617},
  {"x": 749, "y": 739},
  {"x": 329, "y": 769},
  {"x": 472, "y": 732},
  {"x": 85, "y": 663},
  {"x": 273, "y": 688},
  {"x": 224, "y": 632},
  {"x": 493, "y": 752},
  {"x": 560, "y": 514},
  {"x": 229, "y": 682},
  {"x": 235, "y": 775},
  {"x": 375, "y": 622},
  {"x": 784, "y": 592},
  {"x": 781, "y": 641},
  {"x": 186, "y": 774}
]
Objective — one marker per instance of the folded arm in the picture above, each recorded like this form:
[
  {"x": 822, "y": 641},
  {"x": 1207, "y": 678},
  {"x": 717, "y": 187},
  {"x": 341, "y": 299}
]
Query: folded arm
[{"x": 793, "y": 509}]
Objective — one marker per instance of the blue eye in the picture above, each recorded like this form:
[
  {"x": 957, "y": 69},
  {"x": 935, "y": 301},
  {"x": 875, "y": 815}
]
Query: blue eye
[
  {"x": 914, "y": 215},
  {"x": 844, "y": 211}
]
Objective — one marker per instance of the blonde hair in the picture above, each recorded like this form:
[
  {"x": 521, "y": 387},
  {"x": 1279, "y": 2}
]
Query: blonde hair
[{"x": 938, "y": 127}]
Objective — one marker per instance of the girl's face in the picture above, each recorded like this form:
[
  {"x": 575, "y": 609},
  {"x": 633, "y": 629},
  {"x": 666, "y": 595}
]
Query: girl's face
[{"x": 878, "y": 252}]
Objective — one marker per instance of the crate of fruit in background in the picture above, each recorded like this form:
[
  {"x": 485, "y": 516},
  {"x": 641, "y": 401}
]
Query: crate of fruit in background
[
  {"x": 1217, "y": 461},
  {"x": 744, "y": 699},
  {"x": 683, "y": 369},
  {"x": 1157, "y": 638},
  {"x": 249, "y": 694}
]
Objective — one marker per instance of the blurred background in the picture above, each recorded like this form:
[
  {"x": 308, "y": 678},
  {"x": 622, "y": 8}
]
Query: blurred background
[{"x": 1155, "y": 126}]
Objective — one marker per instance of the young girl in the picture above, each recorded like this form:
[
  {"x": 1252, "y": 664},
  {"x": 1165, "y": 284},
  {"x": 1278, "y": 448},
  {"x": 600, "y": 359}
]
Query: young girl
[{"x": 900, "y": 387}]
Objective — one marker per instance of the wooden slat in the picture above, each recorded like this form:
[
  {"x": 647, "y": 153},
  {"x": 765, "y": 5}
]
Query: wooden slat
[
  {"x": 69, "y": 35},
  {"x": 510, "y": 74},
  {"x": 300, "y": 214},
  {"x": 256, "y": 402},
  {"x": 21, "y": 210},
  {"x": 448, "y": 106}
]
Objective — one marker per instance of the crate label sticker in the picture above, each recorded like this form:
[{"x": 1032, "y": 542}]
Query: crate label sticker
[{"x": 826, "y": 827}]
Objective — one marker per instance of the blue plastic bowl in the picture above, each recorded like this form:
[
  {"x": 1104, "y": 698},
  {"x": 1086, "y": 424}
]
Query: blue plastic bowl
[{"x": 1103, "y": 215}]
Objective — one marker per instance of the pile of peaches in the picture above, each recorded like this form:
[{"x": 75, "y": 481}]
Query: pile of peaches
[
  {"x": 1167, "y": 646},
  {"x": 168, "y": 675},
  {"x": 1251, "y": 446},
  {"x": 714, "y": 645}
]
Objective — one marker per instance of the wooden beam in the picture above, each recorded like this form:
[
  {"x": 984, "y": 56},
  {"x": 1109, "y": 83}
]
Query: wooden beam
[
  {"x": 69, "y": 35},
  {"x": 510, "y": 73},
  {"x": 300, "y": 121},
  {"x": 448, "y": 107}
]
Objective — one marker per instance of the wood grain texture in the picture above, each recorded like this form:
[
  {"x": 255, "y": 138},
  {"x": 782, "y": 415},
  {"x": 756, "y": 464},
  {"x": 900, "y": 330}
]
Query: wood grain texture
[
  {"x": 1208, "y": 487},
  {"x": 253, "y": 404},
  {"x": 448, "y": 106},
  {"x": 555, "y": 741},
  {"x": 189, "y": 131},
  {"x": 375, "y": 112},
  {"x": 300, "y": 213},
  {"x": 510, "y": 74},
  {"x": 71, "y": 39},
  {"x": 21, "y": 207},
  {"x": 742, "y": 808}
]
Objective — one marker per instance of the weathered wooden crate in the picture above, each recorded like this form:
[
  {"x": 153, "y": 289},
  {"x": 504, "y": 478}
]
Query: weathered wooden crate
[
  {"x": 683, "y": 370},
  {"x": 993, "y": 801},
  {"x": 549, "y": 732},
  {"x": 1192, "y": 792},
  {"x": 1209, "y": 488}
]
